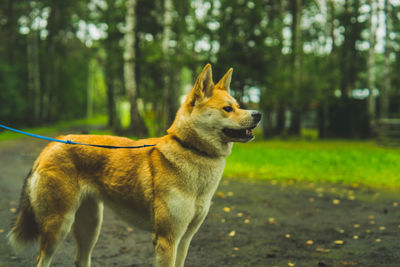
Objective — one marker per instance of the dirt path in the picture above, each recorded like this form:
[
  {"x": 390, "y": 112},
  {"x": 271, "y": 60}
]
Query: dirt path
[{"x": 249, "y": 224}]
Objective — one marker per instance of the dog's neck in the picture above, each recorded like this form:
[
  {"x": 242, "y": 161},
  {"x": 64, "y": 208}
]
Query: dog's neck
[{"x": 190, "y": 139}]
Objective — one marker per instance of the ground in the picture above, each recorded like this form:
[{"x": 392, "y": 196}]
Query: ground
[{"x": 250, "y": 224}]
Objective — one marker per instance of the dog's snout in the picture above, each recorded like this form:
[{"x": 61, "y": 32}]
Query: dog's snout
[{"x": 256, "y": 116}]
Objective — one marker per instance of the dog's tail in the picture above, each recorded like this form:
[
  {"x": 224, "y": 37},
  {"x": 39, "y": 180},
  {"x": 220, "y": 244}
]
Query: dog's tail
[{"x": 25, "y": 229}]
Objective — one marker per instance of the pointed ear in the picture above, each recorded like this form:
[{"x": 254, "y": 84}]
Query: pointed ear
[
  {"x": 225, "y": 82},
  {"x": 203, "y": 86}
]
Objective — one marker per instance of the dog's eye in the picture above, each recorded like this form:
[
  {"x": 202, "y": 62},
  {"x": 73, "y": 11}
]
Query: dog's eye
[{"x": 228, "y": 109}]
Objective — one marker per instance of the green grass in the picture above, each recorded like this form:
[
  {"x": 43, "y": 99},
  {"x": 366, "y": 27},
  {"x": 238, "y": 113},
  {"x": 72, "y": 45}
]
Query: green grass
[
  {"x": 53, "y": 129},
  {"x": 350, "y": 162}
]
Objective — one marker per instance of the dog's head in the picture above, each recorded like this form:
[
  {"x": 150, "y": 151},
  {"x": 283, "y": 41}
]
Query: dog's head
[{"x": 213, "y": 114}]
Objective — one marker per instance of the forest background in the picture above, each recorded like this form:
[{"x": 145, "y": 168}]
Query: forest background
[{"x": 327, "y": 65}]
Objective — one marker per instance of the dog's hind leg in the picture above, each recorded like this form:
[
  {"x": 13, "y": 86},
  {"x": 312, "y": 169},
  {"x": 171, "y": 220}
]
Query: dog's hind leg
[
  {"x": 54, "y": 201},
  {"x": 86, "y": 229},
  {"x": 53, "y": 231},
  {"x": 165, "y": 250}
]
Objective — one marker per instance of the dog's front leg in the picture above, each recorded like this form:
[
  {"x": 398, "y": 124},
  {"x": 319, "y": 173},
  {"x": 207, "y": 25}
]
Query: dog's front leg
[
  {"x": 167, "y": 233},
  {"x": 184, "y": 243}
]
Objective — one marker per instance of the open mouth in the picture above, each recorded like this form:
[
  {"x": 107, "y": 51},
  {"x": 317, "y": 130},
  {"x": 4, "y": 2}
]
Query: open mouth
[{"x": 239, "y": 134}]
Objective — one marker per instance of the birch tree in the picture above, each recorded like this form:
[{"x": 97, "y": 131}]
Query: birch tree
[
  {"x": 384, "y": 94},
  {"x": 168, "y": 90},
  {"x": 33, "y": 67},
  {"x": 137, "y": 124},
  {"x": 296, "y": 57},
  {"x": 371, "y": 64}
]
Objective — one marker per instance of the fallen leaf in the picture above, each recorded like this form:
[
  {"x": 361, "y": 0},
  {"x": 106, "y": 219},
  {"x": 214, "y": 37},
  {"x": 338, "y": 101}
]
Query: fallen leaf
[
  {"x": 368, "y": 231},
  {"x": 271, "y": 220},
  {"x": 230, "y": 194},
  {"x": 246, "y": 221},
  {"x": 125, "y": 250},
  {"x": 382, "y": 228},
  {"x": 371, "y": 217},
  {"x": 1, "y": 231},
  {"x": 338, "y": 242},
  {"x": 349, "y": 263},
  {"x": 341, "y": 231},
  {"x": 311, "y": 199},
  {"x": 378, "y": 240},
  {"x": 395, "y": 204},
  {"x": 287, "y": 236},
  {"x": 319, "y": 190},
  {"x": 291, "y": 264},
  {"x": 235, "y": 249},
  {"x": 356, "y": 225},
  {"x": 336, "y": 202},
  {"x": 223, "y": 220},
  {"x": 351, "y": 197},
  {"x": 355, "y": 237},
  {"x": 221, "y": 195},
  {"x": 372, "y": 222},
  {"x": 310, "y": 242},
  {"x": 13, "y": 210},
  {"x": 240, "y": 214},
  {"x": 232, "y": 233},
  {"x": 323, "y": 250},
  {"x": 227, "y": 209},
  {"x": 129, "y": 229}
]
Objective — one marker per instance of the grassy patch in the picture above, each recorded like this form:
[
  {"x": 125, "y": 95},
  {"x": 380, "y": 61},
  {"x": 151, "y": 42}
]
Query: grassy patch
[
  {"x": 351, "y": 162},
  {"x": 54, "y": 129}
]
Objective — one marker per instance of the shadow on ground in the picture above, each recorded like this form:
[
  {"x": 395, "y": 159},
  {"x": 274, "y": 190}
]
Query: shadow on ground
[{"x": 249, "y": 224}]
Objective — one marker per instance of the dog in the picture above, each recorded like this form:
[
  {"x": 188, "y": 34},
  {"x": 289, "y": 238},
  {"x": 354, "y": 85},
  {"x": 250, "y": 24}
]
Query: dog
[{"x": 166, "y": 189}]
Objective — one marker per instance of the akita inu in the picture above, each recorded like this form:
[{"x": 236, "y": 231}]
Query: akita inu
[{"x": 166, "y": 188}]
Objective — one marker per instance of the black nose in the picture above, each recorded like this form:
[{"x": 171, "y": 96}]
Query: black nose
[{"x": 256, "y": 116}]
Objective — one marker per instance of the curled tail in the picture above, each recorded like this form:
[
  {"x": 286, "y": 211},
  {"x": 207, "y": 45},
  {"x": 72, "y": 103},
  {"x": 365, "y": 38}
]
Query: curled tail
[{"x": 25, "y": 228}]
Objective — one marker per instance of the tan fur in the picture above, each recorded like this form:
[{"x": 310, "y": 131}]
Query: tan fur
[{"x": 165, "y": 189}]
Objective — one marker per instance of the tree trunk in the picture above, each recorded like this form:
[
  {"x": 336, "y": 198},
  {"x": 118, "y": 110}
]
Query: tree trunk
[
  {"x": 280, "y": 120},
  {"x": 111, "y": 63},
  {"x": 322, "y": 120},
  {"x": 49, "y": 64},
  {"x": 169, "y": 90},
  {"x": 295, "y": 124},
  {"x": 384, "y": 96},
  {"x": 33, "y": 67},
  {"x": 267, "y": 122},
  {"x": 371, "y": 66},
  {"x": 12, "y": 31},
  {"x": 113, "y": 121},
  {"x": 323, "y": 110},
  {"x": 137, "y": 124}
]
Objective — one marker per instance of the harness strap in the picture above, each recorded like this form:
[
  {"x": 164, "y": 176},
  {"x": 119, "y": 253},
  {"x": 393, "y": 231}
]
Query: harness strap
[{"x": 68, "y": 142}]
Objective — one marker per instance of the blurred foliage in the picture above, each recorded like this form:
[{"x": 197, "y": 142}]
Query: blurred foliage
[{"x": 61, "y": 60}]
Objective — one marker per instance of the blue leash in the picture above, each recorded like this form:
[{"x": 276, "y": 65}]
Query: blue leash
[{"x": 69, "y": 142}]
